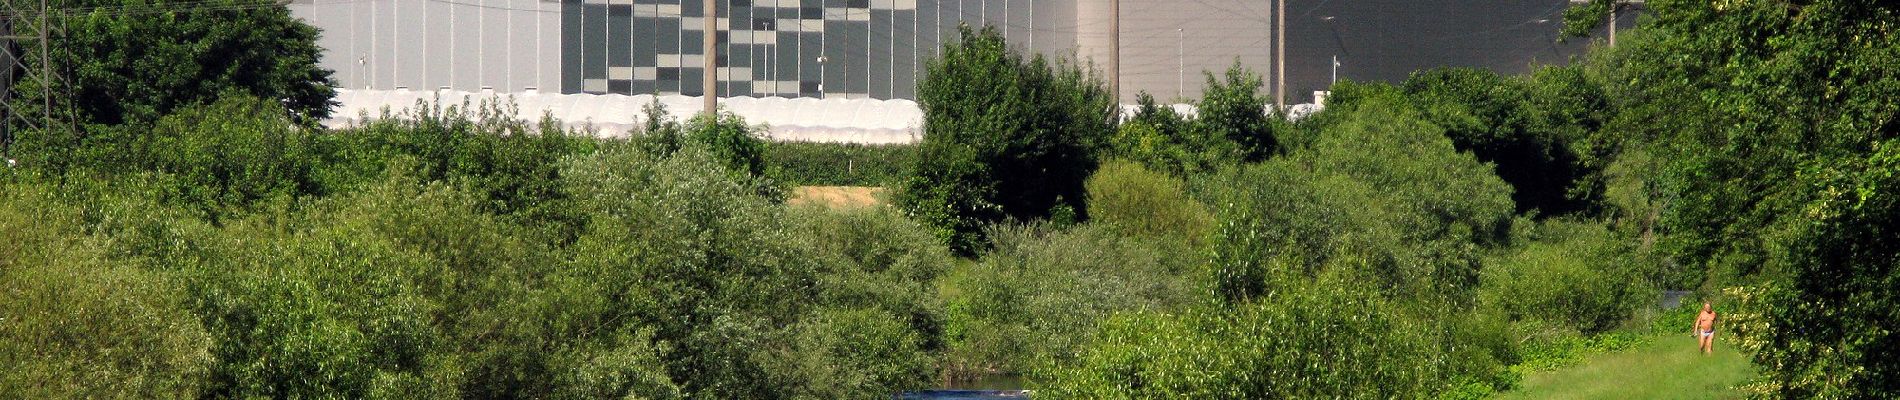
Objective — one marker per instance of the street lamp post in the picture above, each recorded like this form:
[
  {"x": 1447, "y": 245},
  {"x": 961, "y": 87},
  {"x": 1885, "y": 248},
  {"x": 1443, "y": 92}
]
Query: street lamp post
[{"x": 1335, "y": 80}]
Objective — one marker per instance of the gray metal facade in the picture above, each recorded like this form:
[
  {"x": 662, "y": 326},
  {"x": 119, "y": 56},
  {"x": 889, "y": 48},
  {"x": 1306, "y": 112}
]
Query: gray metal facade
[
  {"x": 872, "y": 48},
  {"x": 790, "y": 48}
]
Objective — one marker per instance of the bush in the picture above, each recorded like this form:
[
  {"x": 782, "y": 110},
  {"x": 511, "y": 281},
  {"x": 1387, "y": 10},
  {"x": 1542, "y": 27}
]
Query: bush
[
  {"x": 874, "y": 258},
  {"x": 1823, "y": 328},
  {"x": 1166, "y": 141},
  {"x": 845, "y": 353},
  {"x": 513, "y": 164},
  {"x": 741, "y": 147},
  {"x": 1146, "y": 204},
  {"x": 748, "y": 299},
  {"x": 1004, "y": 138},
  {"x": 73, "y": 324},
  {"x": 1381, "y": 190},
  {"x": 842, "y": 164},
  {"x": 216, "y": 159},
  {"x": 1579, "y": 275},
  {"x": 1233, "y": 108},
  {"x": 1304, "y": 343},
  {"x": 1501, "y": 121},
  {"x": 1039, "y": 295}
]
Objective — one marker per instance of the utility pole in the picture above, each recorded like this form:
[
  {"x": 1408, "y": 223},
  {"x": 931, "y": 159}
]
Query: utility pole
[
  {"x": 1279, "y": 37},
  {"x": 1616, "y": 7},
  {"x": 1335, "y": 71},
  {"x": 1115, "y": 52},
  {"x": 711, "y": 59}
]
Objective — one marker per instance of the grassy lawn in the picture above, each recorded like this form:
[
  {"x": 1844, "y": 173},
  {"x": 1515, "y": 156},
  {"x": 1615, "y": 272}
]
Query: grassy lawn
[{"x": 1668, "y": 367}]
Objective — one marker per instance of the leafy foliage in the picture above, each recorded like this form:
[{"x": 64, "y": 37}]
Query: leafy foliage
[
  {"x": 1579, "y": 275},
  {"x": 1233, "y": 108},
  {"x": 1037, "y": 298},
  {"x": 1300, "y": 343},
  {"x": 1382, "y": 188},
  {"x": 128, "y": 69},
  {"x": 1164, "y": 140},
  {"x": 742, "y": 147},
  {"x": 514, "y": 164},
  {"x": 1768, "y": 126},
  {"x": 1005, "y": 137},
  {"x": 1143, "y": 203},
  {"x": 842, "y": 164},
  {"x": 230, "y": 154},
  {"x": 1502, "y": 121},
  {"x": 73, "y": 324}
]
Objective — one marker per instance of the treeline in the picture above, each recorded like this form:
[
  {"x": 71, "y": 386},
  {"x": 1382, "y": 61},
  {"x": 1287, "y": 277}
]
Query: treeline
[{"x": 1437, "y": 238}]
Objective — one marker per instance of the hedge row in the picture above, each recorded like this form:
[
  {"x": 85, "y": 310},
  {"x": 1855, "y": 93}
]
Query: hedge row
[{"x": 841, "y": 164}]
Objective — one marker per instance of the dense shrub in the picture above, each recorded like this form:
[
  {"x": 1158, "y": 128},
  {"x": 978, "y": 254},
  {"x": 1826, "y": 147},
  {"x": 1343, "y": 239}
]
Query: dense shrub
[
  {"x": 1038, "y": 296},
  {"x": 1824, "y": 325},
  {"x": 1348, "y": 266},
  {"x": 216, "y": 159},
  {"x": 743, "y": 148},
  {"x": 1381, "y": 188},
  {"x": 513, "y": 164},
  {"x": 842, "y": 164},
  {"x": 1163, "y": 140},
  {"x": 846, "y": 353},
  {"x": 1005, "y": 137},
  {"x": 723, "y": 277},
  {"x": 122, "y": 71},
  {"x": 875, "y": 258},
  {"x": 1233, "y": 108},
  {"x": 1303, "y": 343},
  {"x": 73, "y": 324},
  {"x": 1579, "y": 275},
  {"x": 1773, "y": 128},
  {"x": 1490, "y": 116},
  {"x": 229, "y": 154},
  {"x": 1143, "y": 203}
]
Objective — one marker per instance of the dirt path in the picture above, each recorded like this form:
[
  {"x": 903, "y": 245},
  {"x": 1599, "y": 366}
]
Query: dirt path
[{"x": 838, "y": 196}]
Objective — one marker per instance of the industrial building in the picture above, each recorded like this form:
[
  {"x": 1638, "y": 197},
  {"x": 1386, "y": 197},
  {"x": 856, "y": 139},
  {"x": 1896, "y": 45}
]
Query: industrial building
[{"x": 873, "y": 48}]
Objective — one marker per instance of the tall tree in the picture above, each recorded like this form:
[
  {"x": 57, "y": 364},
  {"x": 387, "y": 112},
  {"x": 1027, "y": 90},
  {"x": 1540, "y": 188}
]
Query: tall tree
[
  {"x": 1234, "y": 108},
  {"x": 1779, "y": 125},
  {"x": 1500, "y": 120},
  {"x": 1005, "y": 137},
  {"x": 128, "y": 62}
]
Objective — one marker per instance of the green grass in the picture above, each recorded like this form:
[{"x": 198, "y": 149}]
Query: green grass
[{"x": 1668, "y": 367}]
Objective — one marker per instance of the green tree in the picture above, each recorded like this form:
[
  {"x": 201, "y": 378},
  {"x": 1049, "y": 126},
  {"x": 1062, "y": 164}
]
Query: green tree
[
  {"x": 1774, "y": 126},
  {"x": 1164, "y": 140},
  {"x": 1233, "y": 108},
  {"x": 132, "y": 61},
  {"x": 1492, "y": 117},
  {"x": 226, "y": 155},
  {"x": 1382, "y": 188},
  {"x": 1005, "y": 137}
]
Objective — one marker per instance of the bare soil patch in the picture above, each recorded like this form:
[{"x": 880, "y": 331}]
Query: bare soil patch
[{"x": 838, "y": 196}]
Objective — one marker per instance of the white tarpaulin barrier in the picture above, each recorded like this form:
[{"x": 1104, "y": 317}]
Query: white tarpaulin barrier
[
  {"x": 802, "y": 119},
  {"x": 612, "y": 115}
]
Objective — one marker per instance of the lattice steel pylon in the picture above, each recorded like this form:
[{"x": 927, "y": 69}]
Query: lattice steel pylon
[{"x": 26, "y": 34}]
